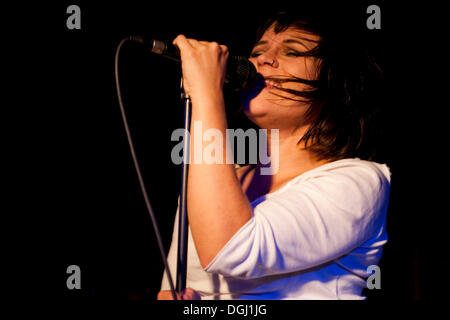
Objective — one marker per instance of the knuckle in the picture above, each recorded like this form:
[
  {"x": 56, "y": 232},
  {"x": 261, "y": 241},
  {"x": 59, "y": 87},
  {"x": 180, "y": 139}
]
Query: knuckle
[
  {"x": 202, "y": 49},
  {"x": 215, "y": 46},
  {"x": 224, "y": 50},
  {"x": 179, "y": 37}
]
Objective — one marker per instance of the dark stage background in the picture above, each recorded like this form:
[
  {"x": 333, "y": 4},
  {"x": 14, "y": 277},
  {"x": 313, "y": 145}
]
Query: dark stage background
[{"x": 81, "y": 197}]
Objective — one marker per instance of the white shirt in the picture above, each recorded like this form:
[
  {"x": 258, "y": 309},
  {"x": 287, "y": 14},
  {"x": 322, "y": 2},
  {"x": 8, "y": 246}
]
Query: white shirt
[{"x": 311, "y": 239}]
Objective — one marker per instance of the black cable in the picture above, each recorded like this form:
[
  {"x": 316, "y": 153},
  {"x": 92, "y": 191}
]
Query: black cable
[{"x": 138, "y": 170}]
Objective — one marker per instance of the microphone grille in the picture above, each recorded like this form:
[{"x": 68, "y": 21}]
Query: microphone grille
[{"x": 241, "y": 72}]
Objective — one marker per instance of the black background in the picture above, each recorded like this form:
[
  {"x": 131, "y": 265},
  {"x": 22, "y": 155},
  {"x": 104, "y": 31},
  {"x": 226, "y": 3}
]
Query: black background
[{"x": 78, "y": 200}]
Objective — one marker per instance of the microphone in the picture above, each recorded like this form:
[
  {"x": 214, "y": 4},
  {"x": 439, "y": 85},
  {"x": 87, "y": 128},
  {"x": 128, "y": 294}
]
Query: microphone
[{"x": 240, "y": 74}]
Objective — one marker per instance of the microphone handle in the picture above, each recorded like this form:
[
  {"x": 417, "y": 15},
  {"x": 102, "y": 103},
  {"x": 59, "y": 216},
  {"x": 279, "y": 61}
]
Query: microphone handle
[
  {"x": 241, "y": 73},
  {"x": 163, "y": 48}
]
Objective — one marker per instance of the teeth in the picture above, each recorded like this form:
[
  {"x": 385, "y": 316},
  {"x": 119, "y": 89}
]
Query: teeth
[{"x": 272, "y": 83}]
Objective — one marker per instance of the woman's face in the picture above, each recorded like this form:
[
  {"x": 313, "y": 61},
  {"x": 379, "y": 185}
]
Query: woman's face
[{"x": 279, "y": 56}]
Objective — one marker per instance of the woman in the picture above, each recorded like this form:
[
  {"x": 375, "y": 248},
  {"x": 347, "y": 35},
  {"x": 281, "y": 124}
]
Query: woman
[{"x": 312, "y": 228}]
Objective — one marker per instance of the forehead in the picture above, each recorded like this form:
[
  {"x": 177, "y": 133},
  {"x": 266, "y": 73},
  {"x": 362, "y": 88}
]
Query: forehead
[{"x": 307, "y": 38}]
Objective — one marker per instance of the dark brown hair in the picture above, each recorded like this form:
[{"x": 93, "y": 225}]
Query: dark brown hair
[{"x": 346, "y": 97}]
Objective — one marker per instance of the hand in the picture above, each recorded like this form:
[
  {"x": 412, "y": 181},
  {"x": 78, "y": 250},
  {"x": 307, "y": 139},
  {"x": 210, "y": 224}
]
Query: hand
[
  {"x": 203, "y": 65},
  {"x": 187, "y": 294}
]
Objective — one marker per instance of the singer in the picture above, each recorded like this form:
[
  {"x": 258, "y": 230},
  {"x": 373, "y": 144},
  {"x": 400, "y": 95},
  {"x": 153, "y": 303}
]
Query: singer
[{"x": 310, "y": 230}]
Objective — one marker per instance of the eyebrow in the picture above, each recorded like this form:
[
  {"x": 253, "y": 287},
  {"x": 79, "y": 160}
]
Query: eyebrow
[{"x": 284, "y": 41}]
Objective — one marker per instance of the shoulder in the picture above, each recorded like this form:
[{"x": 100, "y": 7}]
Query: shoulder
[
  {"x": 352, "y": 169},
  {"x": 348, "y": 183}
]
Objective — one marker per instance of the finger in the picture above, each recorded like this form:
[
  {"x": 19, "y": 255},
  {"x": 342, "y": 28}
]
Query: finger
[
  {"x": 181, "y": 38},
  {"x": 219, "y": 48},
  {"x": 188, "y": 41},
  {"x": 224, "y": 48},
  {"x": 211, "y": 44},
  {"x": 184, "y": 44}
]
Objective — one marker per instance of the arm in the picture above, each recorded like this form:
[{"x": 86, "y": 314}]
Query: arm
[{"x": 217, "y": 206}]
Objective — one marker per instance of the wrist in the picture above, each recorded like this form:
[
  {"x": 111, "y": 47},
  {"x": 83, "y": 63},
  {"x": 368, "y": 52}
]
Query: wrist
[{"x": 208, "y": 99}]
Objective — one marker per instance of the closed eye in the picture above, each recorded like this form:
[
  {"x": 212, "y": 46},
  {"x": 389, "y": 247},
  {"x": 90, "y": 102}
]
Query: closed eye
[
  {"x": 255, "y": 54},
  {"x": 294, "y": 54},
  {"x": 289, "y": 53}
]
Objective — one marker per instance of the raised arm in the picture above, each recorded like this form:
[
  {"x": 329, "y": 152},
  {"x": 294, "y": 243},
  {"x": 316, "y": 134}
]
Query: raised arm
[{"x": 217, "y": 206}]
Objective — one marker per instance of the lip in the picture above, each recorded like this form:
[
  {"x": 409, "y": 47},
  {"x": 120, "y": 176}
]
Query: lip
[
  {"x": 271, "y": 84},
  {"x": 266, "y": 82}
]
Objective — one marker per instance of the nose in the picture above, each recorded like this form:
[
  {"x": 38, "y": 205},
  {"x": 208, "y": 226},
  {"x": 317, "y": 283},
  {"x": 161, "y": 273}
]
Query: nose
[{"x": 267, "y": 59}]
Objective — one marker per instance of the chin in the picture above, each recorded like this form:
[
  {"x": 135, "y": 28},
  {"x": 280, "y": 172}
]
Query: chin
[
  {"x": 267, "y": 110},
  {"x": 263, "y": 115},
  {"x": 256, "y": 103},
  {"x": 256, "y": 112}
]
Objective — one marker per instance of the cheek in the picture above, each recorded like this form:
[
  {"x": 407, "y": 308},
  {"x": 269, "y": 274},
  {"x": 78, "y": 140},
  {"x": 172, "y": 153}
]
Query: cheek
[
  {"x": 311, "y": 68},
  {"x": 306, "y": 69}
]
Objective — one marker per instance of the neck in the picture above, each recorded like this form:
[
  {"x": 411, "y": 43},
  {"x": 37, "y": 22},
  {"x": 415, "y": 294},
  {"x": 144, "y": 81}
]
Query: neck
[{"x": 287, "y": 157}]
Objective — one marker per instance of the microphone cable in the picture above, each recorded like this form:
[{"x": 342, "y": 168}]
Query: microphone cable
[{"x": 137, "y": 167}]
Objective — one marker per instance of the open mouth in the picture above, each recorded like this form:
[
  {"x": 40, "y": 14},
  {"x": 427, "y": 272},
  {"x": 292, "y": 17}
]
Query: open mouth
[
  {"x": 268, "y": 82},
  {"x": 276, "y": 83},
  {"x": 271, "y": 84}
]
